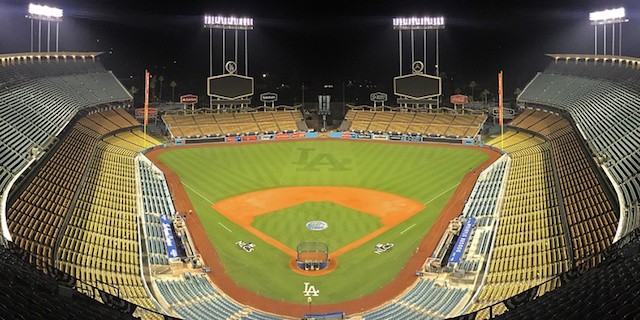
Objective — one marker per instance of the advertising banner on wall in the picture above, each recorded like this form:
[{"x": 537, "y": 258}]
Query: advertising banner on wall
[
  {"x": 463, "y": 238},
  {"x": 167, "y": 232},
  {"x": 380, "y": 137},
  {"x": 298, "y": 135},
  {"x": 267, "y": 137}
]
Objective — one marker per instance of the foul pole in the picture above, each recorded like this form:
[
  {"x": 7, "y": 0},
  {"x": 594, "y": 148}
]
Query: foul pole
[
  {"x": 146, "y": 105},
  {"x": 500, "y": 119}
]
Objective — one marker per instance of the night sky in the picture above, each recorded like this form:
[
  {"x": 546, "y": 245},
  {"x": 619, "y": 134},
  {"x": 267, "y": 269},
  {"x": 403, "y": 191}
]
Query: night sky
[{"x": 316, "y": 43}]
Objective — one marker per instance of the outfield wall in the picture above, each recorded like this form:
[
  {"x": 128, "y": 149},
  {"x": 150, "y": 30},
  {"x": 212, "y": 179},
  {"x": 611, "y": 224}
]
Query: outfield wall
[
  {"x": 244, "y": 138},
  {"x": 403, "y": 137},
  {"x": 333, "y": 135}
]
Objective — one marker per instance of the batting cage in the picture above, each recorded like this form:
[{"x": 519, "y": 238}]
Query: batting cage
[{"x": 312, "y": 255}]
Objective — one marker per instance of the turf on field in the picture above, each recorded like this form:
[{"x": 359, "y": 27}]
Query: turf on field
[{"x": 428, "y": 174}]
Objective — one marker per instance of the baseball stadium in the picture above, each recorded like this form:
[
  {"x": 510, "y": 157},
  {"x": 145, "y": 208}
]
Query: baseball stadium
[{"x": 416, "y": 205}]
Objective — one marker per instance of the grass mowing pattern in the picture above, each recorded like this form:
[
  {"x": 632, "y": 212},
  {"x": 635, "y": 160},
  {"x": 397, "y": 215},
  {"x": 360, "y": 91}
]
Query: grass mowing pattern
[
  {"x": 345, "y": 225},
  {"x": 426, "y": 173}
]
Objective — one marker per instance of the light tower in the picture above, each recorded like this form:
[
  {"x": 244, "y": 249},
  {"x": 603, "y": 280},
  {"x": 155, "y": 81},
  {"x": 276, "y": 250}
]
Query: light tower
[
  {"x": 422, "y": 23},
  {"x": 604, "y": 18},
  {"x": 48, "y": 14},
  {"x": 418, "y": 88},
  {"x": 236, "y": 24}
]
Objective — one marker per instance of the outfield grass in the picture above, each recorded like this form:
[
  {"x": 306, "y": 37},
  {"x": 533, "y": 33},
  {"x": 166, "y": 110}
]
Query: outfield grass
[
  {"x": 426, "y": 173},
  {"x": 289, "y": 225}
]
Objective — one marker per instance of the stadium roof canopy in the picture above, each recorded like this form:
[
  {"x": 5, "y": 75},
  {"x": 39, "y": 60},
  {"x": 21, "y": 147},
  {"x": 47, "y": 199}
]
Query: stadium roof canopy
[{"x": 35, "y": 56}]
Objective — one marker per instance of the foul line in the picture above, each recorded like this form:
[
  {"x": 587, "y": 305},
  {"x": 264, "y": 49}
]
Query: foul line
[
  {"x": 220, "y": 223},
  {"x": 196, "y": 192},
  {"x": 407, "y": 229},
  {"x": 441, "y": 194}
]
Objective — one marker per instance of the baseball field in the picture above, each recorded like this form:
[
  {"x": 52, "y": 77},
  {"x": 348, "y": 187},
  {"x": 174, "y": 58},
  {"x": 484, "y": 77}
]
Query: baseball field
[{"x": 361, "y": 193}]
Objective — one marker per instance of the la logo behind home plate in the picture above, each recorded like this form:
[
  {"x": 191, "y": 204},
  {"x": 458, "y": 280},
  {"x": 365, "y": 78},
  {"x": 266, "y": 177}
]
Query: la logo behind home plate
[{"x": 309, "y": 290}]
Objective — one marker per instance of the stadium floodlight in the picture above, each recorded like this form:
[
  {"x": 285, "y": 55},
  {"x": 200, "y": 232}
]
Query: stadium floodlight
[
  {"x": 604, "y": 18},
  {"x": 46, "y": 13},
  {"x": 227, "y": 23},
  {"x": 418, "y": 23},
  {"x": 608, "y": 16},
  {"x": 423, "y": 23},
  {"x": 233, "y": 23}
]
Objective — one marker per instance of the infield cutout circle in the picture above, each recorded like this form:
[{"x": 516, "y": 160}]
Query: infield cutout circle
[{"x": 317, "y": 225}]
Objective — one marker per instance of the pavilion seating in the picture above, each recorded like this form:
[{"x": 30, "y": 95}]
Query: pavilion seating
[
  {"x": 218, "y": 124},
  {"x": 434, "y": 124}
]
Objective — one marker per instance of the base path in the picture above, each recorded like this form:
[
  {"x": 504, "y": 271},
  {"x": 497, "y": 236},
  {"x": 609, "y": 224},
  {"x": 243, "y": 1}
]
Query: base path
[
  {"x": 392, "y": 209},
  {"x": 401, "y": 282}
]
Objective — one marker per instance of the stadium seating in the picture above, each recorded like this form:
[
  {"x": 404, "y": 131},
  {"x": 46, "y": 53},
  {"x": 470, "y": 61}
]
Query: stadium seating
[
  {"x": 26, "y": 108},
  {"x": 483, "y": 204},
  {"x": 156, "y": 201},
  {"x": 100, "y": 243},
  {"x": 514, "y": 141},
  {"x": 598, "y": 104},
  {"x": 36, "y": 216},
  {"x": 435, "y": 124},
  {"x": 220, "y": 124},
  {"x": 530, "y": 245},
  {"x": 27, "y": 293},
  {"x": 192, "y": 296},
  {"x": 602, "y": 100},
  {"x": 426, "y": 300},
  {"x": 591, "y": 219},
  {"x": 39, "y": 97},
  {"x": 18, "y": 73},
  {"x": 609, "y": 291}
]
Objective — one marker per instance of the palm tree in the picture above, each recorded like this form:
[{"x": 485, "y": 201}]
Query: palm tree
[
  {"x": 173, "y": 86},
  {"x": 517, "y": 92},
  {"x": 152, "y": 85},
  {"x": 472, "y": 85},
  {"x": 484, "y": 94},
  {"x": 161, "y": 79},
  {"x": 445, "y": 83},
  {"x": 133, "y": 90}
]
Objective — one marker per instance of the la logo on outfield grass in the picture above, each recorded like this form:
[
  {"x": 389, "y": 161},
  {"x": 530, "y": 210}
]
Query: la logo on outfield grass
[
  {"x": 310, "y": 290},
  {"x": 326, "y": 160}
]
